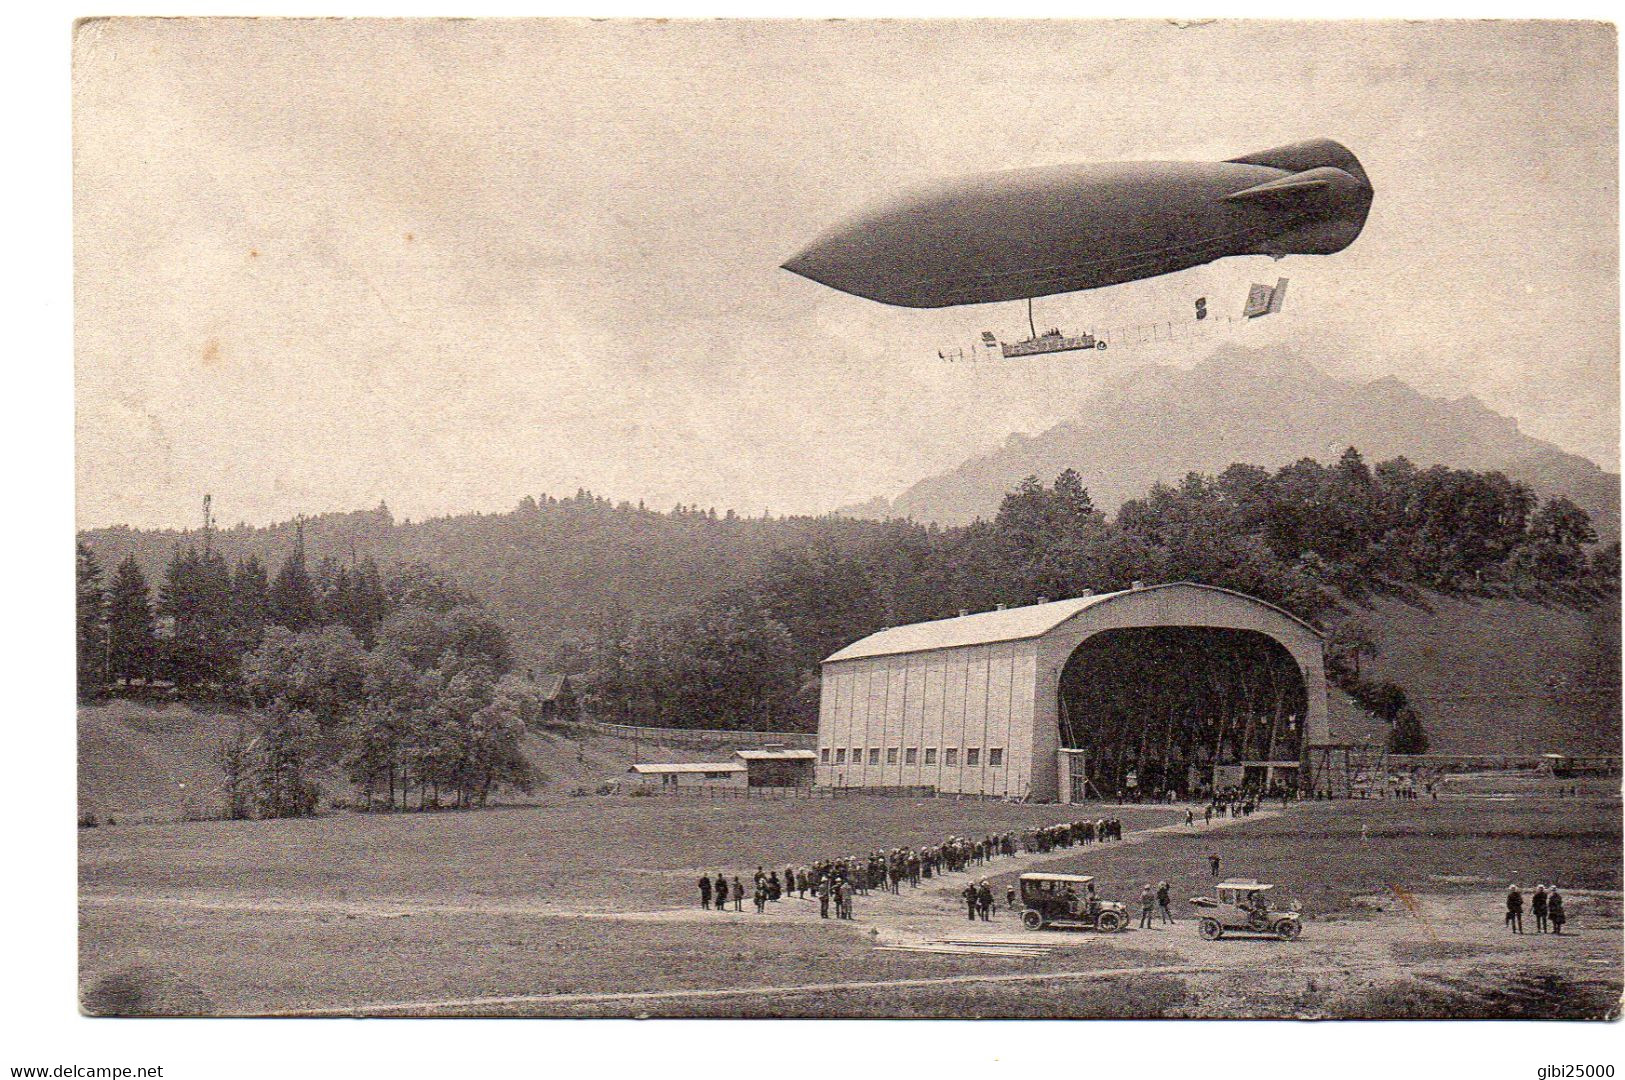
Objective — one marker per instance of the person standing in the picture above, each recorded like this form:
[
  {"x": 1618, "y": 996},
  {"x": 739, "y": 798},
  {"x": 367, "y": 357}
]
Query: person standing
[
  {"x": 759, "y": 897},
  {"x": 738, "y": 895},
  {"x": 1010, "y": 898},
  {"x": 705, "y": 892},
  {"x": 720, "y": 892},
  {"x": 823, "y": 897},
  {"x": 1213, "y": 863},
  {"x": 1145, "y": 907},
  {"x": 1515, "y": 908},
  {"x": 970, "y": 901},
  {"x": 984, "y": 901},
  {"x": 1554, "y": 910},
  {"x": 1190, "y": 818},
  {"x": 1163, "y": 902},
  {"x": 1537, "y": 908}
]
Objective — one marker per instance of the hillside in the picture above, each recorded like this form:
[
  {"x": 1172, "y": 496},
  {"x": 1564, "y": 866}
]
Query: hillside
[
  {"x": 1497, "y": 675},
  {"x": 140, "y": 762},
  {"x": 1159, "y": 423}
]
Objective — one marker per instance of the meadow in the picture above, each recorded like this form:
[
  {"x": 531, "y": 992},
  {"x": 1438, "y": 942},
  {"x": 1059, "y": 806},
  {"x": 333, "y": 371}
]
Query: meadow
[
  {"x": 603, "y": 853},
  {"x": 1335, "y": 857},
  {"x": 442, "y": 913}
]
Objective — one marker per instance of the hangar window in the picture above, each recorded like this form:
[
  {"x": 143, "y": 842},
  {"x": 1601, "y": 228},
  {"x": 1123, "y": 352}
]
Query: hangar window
[
  {"x": 911, "y": 756},
  {"x": 891, "y": 755},
  {"x": 716, "y": 776},
  {"x": 950, "y": 756},
  {"x": 823, "y": 756},
  {"x": 995, "y": 756},
  {"x": 840, "y": 756},
  {"x": 973, "y": 756},
  {"x": 930, "y": 755},
  {"x": 874, "y": 755}
]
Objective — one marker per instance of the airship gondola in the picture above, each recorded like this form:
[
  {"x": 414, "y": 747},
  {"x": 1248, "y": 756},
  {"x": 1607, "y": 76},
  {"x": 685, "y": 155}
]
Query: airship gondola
[{"x": 1038, "y": 232}]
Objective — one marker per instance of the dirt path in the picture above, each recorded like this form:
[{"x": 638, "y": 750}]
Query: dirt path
[{"x": 655, "y": 996}]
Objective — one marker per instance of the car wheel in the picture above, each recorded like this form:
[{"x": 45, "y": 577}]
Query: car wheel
[
  {"x": 1288, "y": 929},
  {"x": 1110, "y": 922},
  {"x": 1211, "y": 930},
  {"x": 1032, "y": 920}
]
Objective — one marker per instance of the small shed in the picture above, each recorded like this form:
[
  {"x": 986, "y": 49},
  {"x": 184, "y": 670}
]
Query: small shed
[
  {"x": 691, "y": 774},
  {"x": 774, "y": 766},
  {"x": 559, "y": 703}
]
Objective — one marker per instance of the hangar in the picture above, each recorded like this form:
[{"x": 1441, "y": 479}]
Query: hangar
[{"x": 1174, "y": 687}]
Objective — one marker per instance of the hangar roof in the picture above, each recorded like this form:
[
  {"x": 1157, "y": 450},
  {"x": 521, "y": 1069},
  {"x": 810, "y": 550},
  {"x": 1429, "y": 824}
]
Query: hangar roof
[
  {"x": 1010, "y": 624},
  {"x": 982, "y": 628},
  {"x": 688, "y": 767}
]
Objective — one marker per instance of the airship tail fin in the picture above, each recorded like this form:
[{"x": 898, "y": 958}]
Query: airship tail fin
[
  {"x": 1310, "y": 154},
  {"x": 1297, "y": 187}
]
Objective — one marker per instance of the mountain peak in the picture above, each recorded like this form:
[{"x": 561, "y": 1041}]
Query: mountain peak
[{"x": 1160, "y": 422}]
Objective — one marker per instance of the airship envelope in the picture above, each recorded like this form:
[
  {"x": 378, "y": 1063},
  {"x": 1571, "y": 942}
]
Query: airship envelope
[{"x": 1035, "y": 232}]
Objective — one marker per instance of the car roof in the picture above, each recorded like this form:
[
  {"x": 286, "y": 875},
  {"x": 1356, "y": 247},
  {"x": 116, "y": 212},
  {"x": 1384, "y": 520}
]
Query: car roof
[{"x": 1081, "y": 879}]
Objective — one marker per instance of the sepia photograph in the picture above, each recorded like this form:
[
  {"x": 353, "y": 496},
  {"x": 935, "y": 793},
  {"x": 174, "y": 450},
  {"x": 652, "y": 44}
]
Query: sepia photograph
[{"x": 956, "y": 519}]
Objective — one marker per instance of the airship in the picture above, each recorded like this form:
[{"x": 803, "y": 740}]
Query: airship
[{"x": 1032, "y": 232}]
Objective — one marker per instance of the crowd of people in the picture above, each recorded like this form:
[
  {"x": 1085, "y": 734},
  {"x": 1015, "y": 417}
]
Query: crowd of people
[
  {"x": 1545, "y": 904},
  {"x": 834, "y": 882},
  {"x": 1239, "y": 807}
]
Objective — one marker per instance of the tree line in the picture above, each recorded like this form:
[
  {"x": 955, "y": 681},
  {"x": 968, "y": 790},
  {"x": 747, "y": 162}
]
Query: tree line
[
  {"x": 406, "y": 686},
  {"x": 690, "y": 618},
  {"x": 1304, "y": 537}
]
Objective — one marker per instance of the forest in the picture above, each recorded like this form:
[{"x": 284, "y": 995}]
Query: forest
[{"x": 405, "y": 672}]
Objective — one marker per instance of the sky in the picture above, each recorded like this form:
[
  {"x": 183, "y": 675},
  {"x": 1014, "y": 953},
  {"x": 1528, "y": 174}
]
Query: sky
[{"x": 449, "y": 263}]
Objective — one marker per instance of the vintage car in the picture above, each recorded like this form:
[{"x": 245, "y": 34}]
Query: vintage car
[
  {"x": 1066, "y": 900},
  {"x": 1244, "y": 905}
]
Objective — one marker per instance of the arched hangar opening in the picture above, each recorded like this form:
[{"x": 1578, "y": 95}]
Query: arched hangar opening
[{"x": 1150, "y": 710}]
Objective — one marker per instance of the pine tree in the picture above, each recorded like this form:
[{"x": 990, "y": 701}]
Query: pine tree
[
  {"x": 197, "y": 598},
  {"x": 1407, "y": 736},
  {"x": 368, "y": 601},
  {"x": 130, "y": 643},
  {"x": 293, "y": 595},
  {"x": 250, "y": 600},
  {"x": 91, "y": 637}
]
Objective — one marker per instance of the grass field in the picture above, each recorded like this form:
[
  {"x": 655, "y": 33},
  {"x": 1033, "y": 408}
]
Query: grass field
[
  {"x": 593, "y": 896},
  {"x": 611, "y": 854},
  {"x": 249, "y": 962},
  {"x": 1330, "y": 855},
  {"x": 1503, "y": 675},
  {"x": 326, "y": 942}
]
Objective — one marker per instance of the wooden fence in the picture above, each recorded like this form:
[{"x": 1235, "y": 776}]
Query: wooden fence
[
  {"x": 795, "y": 740},
  {"x": 707, "y": 791}
]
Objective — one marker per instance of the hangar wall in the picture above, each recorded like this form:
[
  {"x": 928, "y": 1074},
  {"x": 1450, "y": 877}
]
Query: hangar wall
[{"x": 959, "y": 720}]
